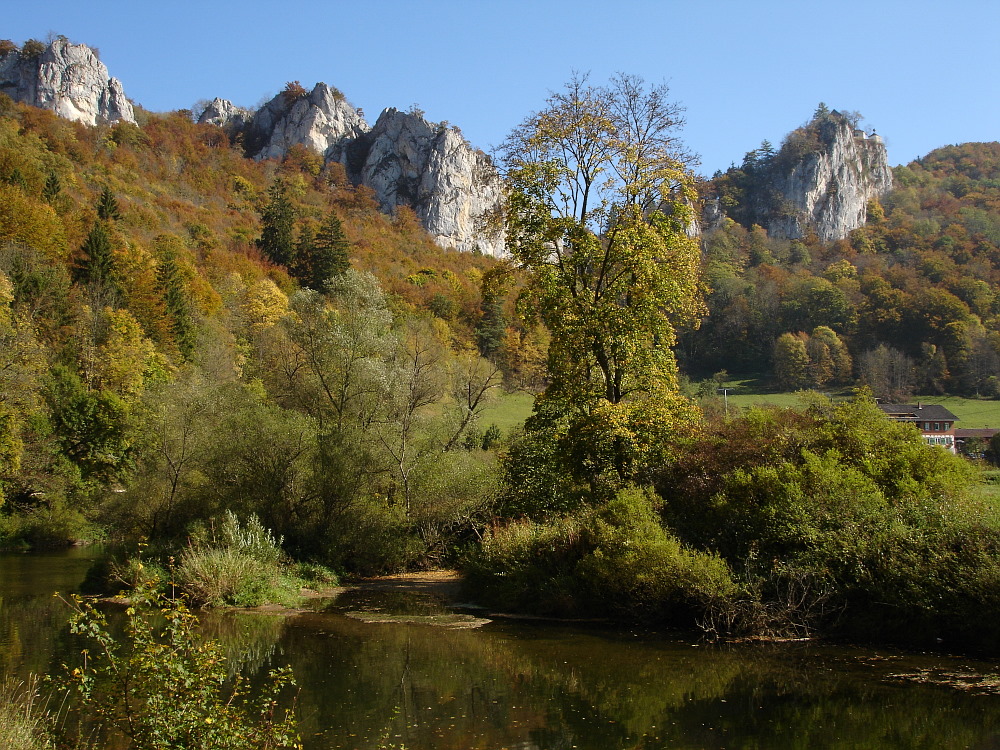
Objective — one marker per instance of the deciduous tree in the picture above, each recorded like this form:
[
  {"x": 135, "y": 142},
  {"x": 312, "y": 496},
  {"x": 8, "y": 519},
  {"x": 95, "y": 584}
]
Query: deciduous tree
[{"x": 598, "y": 212}]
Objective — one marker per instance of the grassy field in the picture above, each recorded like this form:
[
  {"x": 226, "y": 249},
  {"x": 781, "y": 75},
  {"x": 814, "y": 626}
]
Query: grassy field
[
  {"x": 511, "y": 409},
  {"x": 971, "y": 412},
  {"x": 508, "y": 412}
]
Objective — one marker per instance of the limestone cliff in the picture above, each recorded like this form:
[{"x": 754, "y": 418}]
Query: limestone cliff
[
  {"x": 225, "y": 114},
  {"x": 829, "y": 188},
  {"x": 820, "y": 180},
  {"x": 451, "y": 186},
  {"x": 67, "y": 79},
  {"x": 321, "y": 120},
  {"x": 406, "y": 160}
]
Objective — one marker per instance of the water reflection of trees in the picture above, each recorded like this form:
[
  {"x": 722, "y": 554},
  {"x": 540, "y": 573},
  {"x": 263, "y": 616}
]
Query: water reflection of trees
[
  {"x": 549, "y": 688},
  {"x": 249, "y": 639}
]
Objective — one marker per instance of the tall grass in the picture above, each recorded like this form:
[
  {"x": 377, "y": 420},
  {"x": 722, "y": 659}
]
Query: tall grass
[
  {"x": 240, "y": 565},
  {"x": 22, "y": 717}
]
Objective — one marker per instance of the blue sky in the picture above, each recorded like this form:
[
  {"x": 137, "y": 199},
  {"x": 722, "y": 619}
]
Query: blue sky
[{"x": 924, "y": 74}]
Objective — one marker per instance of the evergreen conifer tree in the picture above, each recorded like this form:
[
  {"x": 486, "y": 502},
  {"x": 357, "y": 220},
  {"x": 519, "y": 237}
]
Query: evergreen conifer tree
[
  {"x": 52, "y": 188},
  {"x": 276, "y": 240},
  {"x": 97, "y": 264},
  {"x": 175, "y": 299},
  {"x": 305, "y": 249},
  {"x": 330, "y": 257},
  {"x": 107, "y": 206}
]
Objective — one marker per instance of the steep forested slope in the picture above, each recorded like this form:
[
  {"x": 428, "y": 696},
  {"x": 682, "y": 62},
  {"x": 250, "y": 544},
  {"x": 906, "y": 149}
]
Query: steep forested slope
[
  {"x": 911, "y": 296},
  {"x": 157, "y": 364}
]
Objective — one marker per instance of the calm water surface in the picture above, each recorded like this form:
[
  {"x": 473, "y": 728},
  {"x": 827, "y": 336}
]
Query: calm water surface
[{"x": 515, "y": 685}]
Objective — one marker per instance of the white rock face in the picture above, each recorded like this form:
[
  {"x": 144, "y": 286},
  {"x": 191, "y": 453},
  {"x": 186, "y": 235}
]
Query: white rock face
[
  {"x": 407, "y": 161},
  {"x": 69, "y": 80},
  {"x": 452, "y": 187},
  {"x": 322, "y": 120},
  {"x": 225, "y": 114},
  {"x": 829, "y": 191}
]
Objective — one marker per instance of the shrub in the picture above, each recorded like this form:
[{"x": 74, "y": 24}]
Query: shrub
[
  {"x": 616, "y": 560},
  {"x": 167, "y": 687},
  {"x": 836, "y": 517},
  {"x": 240, "y": 567},
  {"x": 215, "y": 577},
  {"x": 32, "y": 49}
]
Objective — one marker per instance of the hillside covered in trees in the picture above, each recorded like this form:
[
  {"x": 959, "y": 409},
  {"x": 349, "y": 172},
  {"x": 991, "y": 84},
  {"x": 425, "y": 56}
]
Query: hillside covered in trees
[
  {"x": 905, "y": 304},
  {"x": 191, "y": 340},
  {"x": 171, "y": 345}
]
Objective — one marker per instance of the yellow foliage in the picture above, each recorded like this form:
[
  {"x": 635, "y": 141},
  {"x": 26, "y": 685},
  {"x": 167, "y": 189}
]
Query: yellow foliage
[
  {"x": 31, "y": 222},
  {"x": 127, "y": 360},
  {"x": 262, "y": 305}
]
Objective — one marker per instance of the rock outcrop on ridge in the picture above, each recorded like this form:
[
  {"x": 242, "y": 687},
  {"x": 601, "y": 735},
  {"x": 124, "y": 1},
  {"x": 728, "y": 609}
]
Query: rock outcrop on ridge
[
  {"x": 828, "y": 190},
  {"x": 406, "y": 160},
  {"x": 821, "y": 180},
  {"x": 321, "y": 120},
  {"x": 451, "y": 186},
  {"x": 67, "y": 79}
]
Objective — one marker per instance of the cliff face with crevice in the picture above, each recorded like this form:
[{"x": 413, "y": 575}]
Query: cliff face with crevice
[
  {"x": 821, "y": 180},
  {"x": 67, "y": 79},
  {"x": 828, "y": 190},
  {"x": 453, "y": 188}
]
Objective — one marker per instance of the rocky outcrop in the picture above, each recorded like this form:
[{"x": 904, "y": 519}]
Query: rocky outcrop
[
  {"x": 821, "y": 180},
  {"x": 452, "y": 187},
  {"x": 828, "y": 189},
  {"x": 406, "y": 160},
  {"x": 321, "y": 120},
  {"x": 67, "y": 79},
  {"x": 224, "y": 114}
]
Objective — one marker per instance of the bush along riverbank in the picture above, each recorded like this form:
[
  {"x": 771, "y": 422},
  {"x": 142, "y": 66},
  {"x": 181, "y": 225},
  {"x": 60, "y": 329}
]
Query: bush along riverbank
[
  {"x": 157, "y": 684},
  {"x": 828, "y": 519},
  {"x": 225, "y": 564}
]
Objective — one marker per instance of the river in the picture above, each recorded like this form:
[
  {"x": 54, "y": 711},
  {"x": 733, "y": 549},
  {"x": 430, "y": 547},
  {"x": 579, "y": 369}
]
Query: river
[{"x": 514, "y": 684}]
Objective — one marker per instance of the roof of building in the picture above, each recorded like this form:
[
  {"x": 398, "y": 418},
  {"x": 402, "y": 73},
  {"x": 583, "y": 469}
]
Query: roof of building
[
  {"x": 918, "y": 412},
  {"x": 976, "y": 432}
]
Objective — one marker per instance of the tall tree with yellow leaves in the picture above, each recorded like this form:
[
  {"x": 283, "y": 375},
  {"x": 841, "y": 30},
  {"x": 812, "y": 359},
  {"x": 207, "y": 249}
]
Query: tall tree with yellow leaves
[{"x": 598, "y": 214}]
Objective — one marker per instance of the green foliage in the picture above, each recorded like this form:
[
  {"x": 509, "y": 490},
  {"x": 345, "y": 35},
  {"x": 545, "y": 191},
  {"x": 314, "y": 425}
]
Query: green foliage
[
  {"x": 165, "y": 686},
  {"x": 236, "y": 564},
  {"x": 92, "y": 429},
  {"x": 176, "y": 299},
  {"x": 615, "y": 559},
  {"x": 97, "y": 264},
  {"x": 52, "y": 188},
  {"x": 611, "y": 271},
  {"x": 277, "y": 216},
  {"x": 107, "y": 206},
  {"x": 833, "y": 514},
  {"x": 113, "y": 391}
]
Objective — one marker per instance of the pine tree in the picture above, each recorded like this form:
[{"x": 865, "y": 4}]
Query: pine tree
[
  {"x": 16, "y": 178},
  {"x": 175, "y": 299},
  {"x": 97, "y": 264},
  {"x": 278, "y": 220},
  {"x": 52, "y": 188},
  {"x": 107, "y": 206},
  {"x": 330, "y": 257},
  {"x": 305, "y": 252},
  {"x": 492, "y": 329}
]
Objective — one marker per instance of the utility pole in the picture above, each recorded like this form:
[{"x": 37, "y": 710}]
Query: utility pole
[{"x": 725, "y": 397}]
